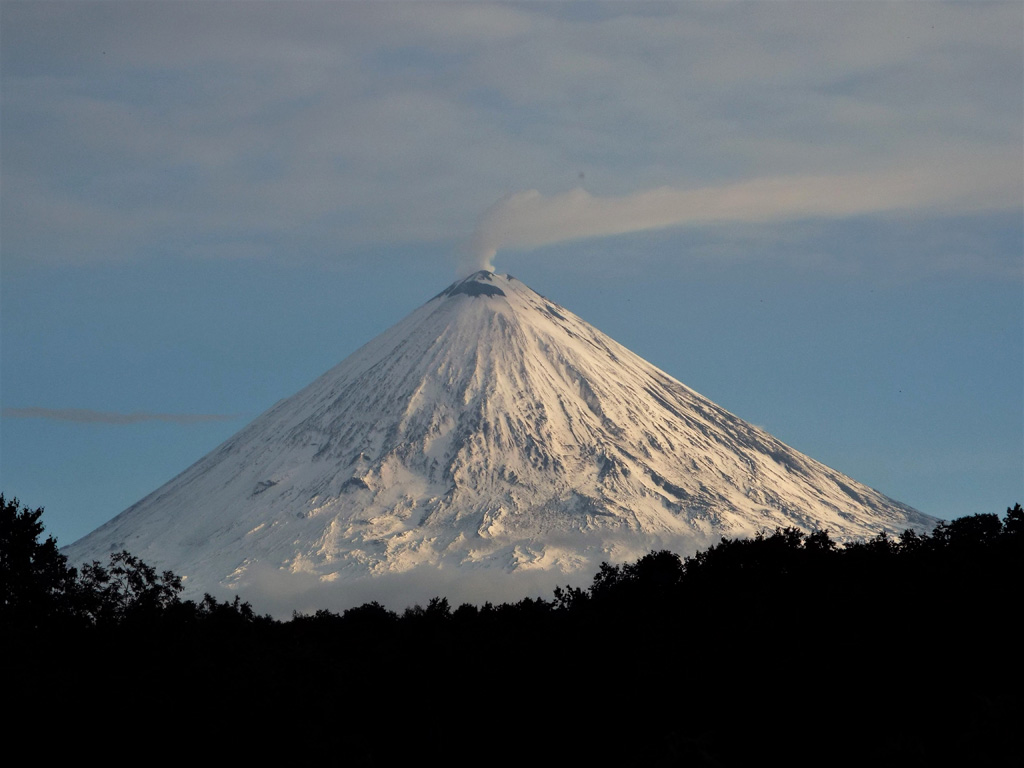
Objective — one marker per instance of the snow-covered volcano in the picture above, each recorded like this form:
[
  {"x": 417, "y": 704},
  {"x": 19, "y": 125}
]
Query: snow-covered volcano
[{"x": 490, "y": 428}]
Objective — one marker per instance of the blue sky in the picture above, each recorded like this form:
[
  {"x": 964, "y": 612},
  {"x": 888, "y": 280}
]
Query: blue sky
[{"x": 809, "y": 212}]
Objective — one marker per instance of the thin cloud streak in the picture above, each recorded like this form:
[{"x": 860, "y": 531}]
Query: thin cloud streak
[{"x": 86, "y": 416}]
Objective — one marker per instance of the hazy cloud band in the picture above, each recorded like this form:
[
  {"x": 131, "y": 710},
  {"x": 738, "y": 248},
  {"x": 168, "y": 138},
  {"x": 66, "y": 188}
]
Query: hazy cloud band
[{"x": 86, "y": 416}]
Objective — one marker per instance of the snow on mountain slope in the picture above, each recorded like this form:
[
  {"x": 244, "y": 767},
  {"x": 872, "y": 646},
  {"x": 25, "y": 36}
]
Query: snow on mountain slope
[{"x": 489, "y": 428}]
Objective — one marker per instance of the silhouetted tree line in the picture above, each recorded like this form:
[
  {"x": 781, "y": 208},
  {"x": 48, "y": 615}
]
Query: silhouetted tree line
[
  {"x": 41, "y": 592},
  {"x": 786, "y": 646}
]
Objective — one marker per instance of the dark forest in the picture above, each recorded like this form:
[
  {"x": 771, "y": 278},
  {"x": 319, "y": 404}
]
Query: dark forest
[{"x": 784, "y": 647}]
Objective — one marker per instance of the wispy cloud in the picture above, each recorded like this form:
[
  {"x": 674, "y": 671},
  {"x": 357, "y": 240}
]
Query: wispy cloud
[{"x": 86, "y": 416}]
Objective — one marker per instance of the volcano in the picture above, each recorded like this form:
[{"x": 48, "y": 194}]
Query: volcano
[{"x": 491, "y": 428}]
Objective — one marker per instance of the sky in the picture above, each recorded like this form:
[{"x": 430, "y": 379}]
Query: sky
[{"x": 811, "y": 213}]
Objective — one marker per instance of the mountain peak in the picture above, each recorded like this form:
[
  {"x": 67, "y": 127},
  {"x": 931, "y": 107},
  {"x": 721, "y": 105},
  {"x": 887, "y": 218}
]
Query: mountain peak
[{"x": 481, "y": 283}]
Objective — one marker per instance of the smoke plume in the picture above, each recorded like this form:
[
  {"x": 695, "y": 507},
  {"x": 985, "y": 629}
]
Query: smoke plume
[{"x": 530, "y": 219}]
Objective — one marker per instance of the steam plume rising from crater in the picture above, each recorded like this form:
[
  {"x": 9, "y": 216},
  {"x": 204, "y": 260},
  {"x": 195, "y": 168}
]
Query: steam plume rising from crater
[{"x": 531, "y": 219}]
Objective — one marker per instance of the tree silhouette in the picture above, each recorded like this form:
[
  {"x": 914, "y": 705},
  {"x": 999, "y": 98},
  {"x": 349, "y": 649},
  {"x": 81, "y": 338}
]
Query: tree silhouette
[
  {"x": 127, "y": 589},
  {"x": 36, "y": 584}
]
